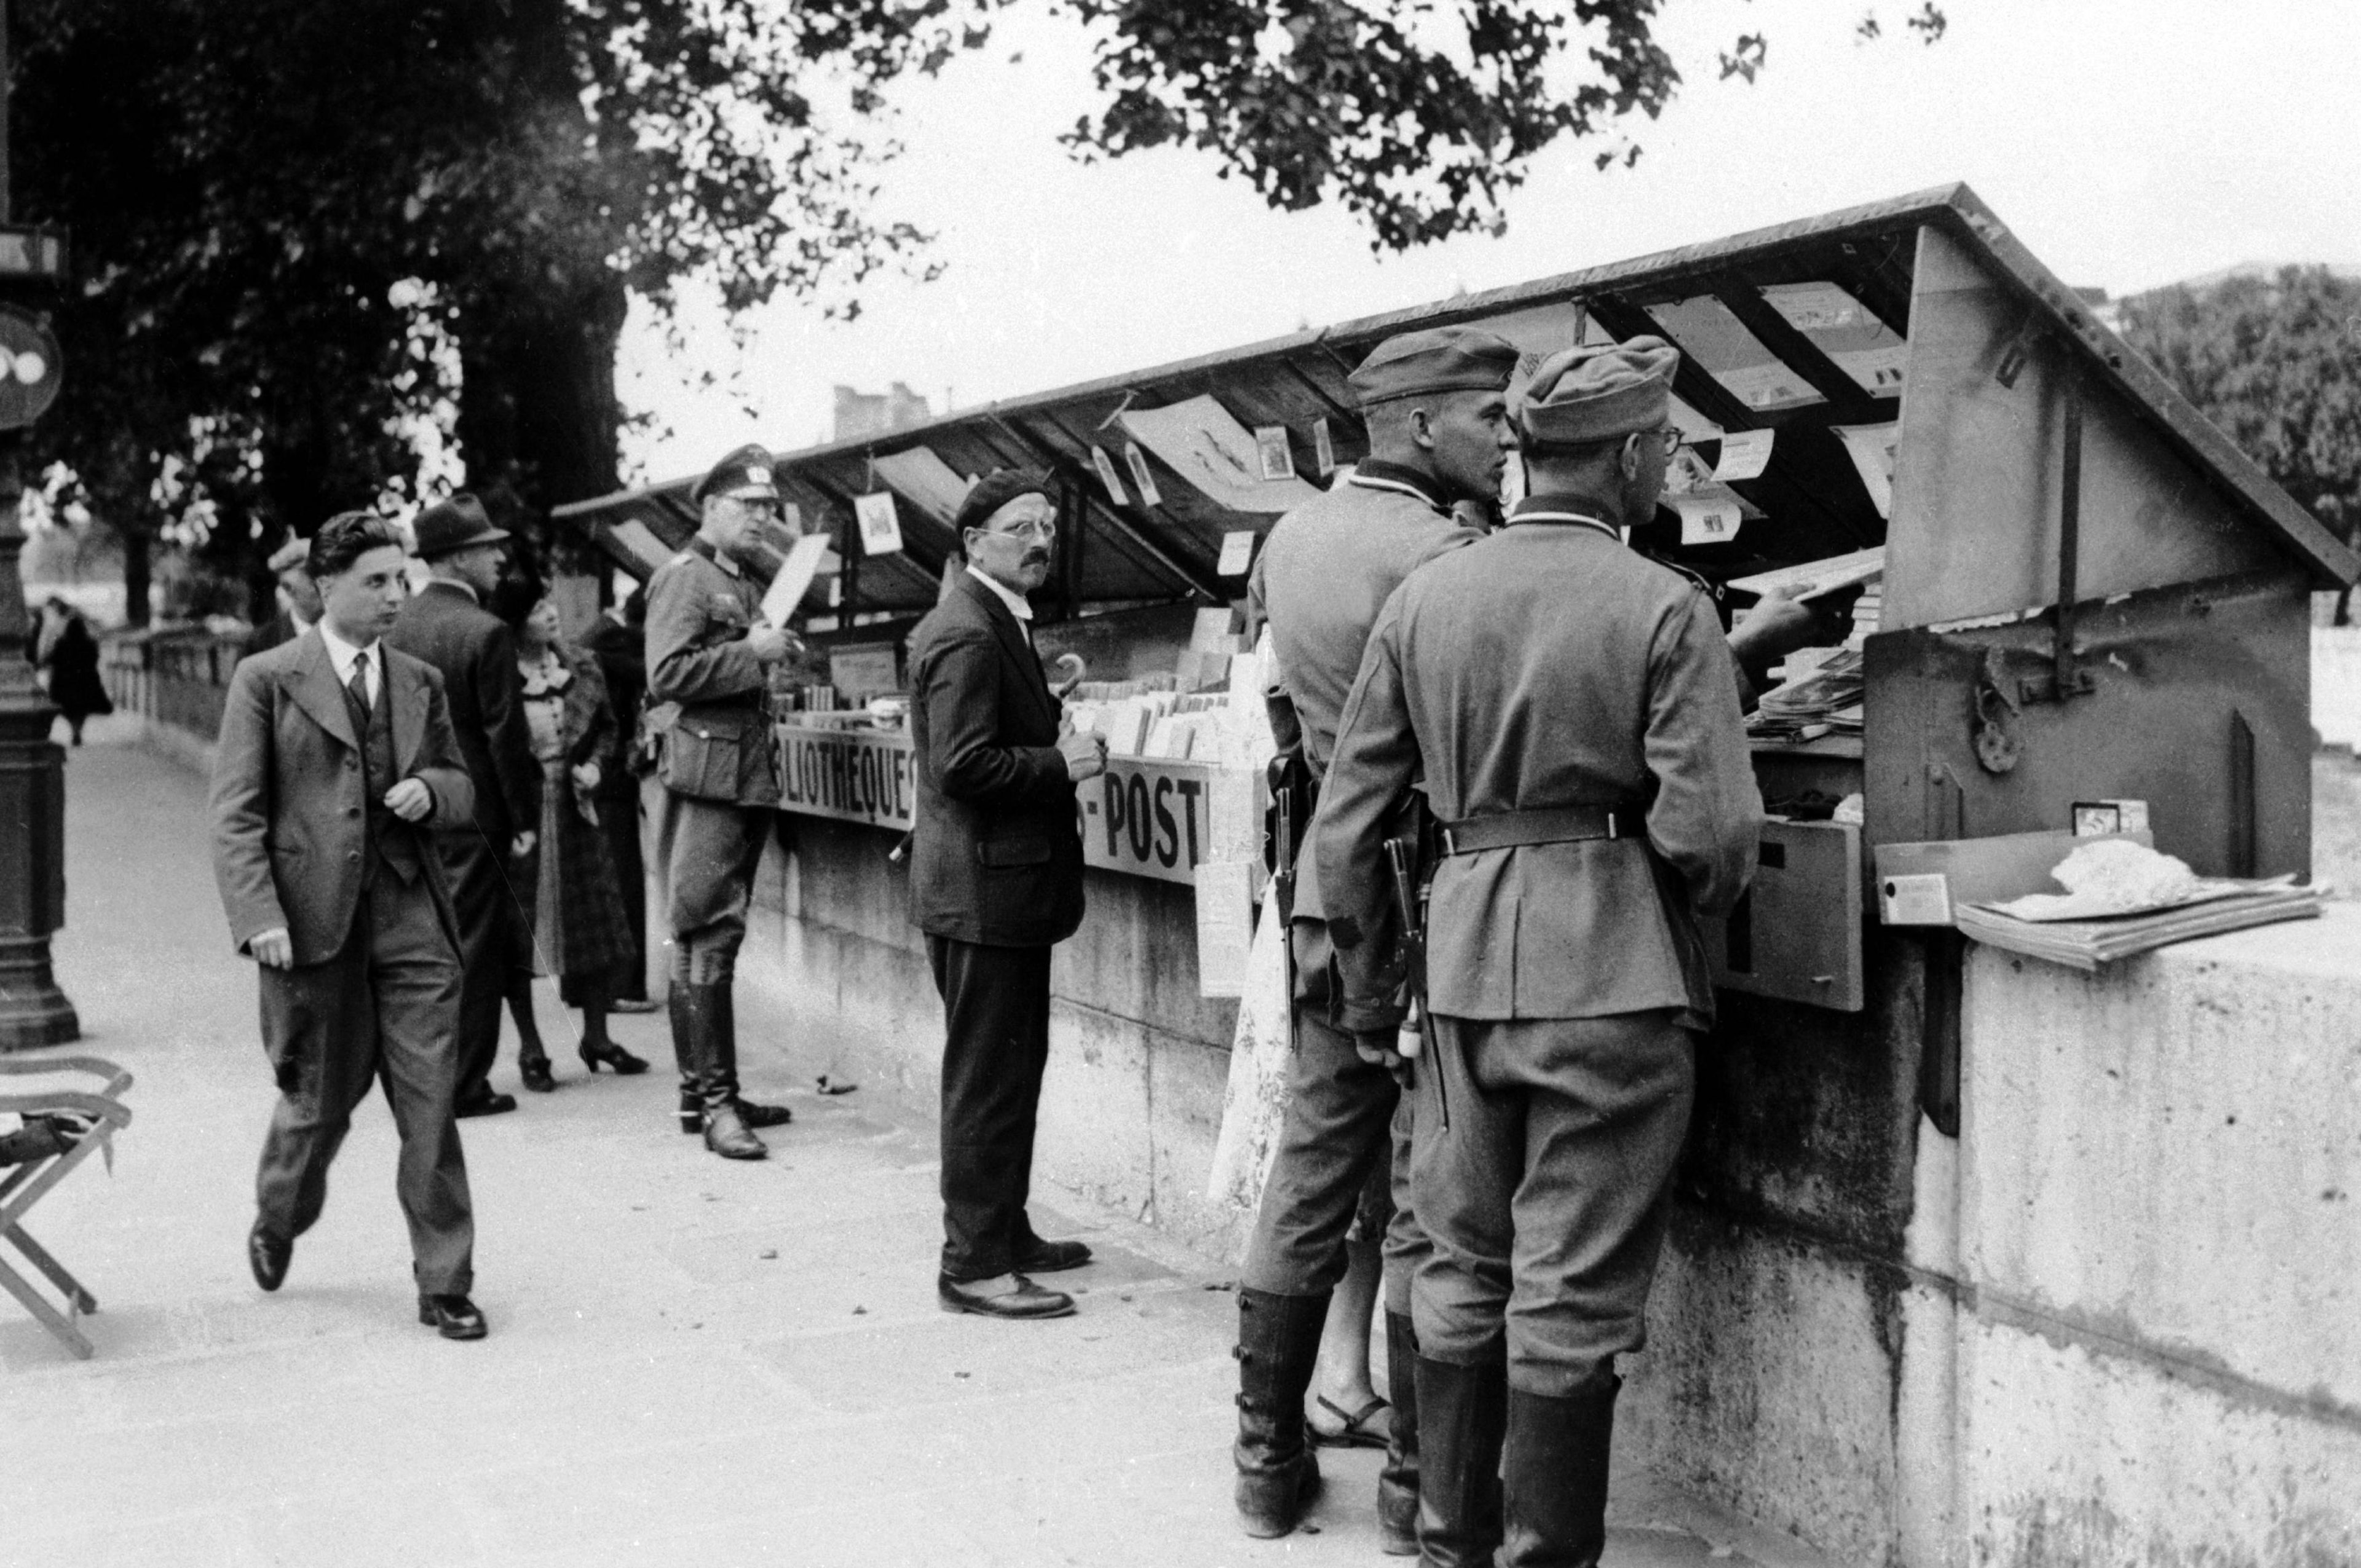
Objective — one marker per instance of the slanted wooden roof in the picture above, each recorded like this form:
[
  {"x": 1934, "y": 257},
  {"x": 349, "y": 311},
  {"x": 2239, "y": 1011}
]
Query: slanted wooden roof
[{"x": 1133, "y": 551}]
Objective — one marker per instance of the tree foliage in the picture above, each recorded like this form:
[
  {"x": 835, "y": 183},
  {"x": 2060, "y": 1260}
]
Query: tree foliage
[
  {"x": 306, "y": 231},
  {"x": 2276, "y": 362}
]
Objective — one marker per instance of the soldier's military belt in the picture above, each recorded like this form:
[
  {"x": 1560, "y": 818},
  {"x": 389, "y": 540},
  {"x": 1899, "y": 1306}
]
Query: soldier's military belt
[{"x": 1548, "y": 824}]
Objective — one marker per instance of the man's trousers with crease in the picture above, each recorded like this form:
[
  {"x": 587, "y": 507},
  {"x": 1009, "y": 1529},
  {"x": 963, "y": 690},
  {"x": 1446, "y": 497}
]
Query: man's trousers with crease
[{"x": 384, "y": 1009}]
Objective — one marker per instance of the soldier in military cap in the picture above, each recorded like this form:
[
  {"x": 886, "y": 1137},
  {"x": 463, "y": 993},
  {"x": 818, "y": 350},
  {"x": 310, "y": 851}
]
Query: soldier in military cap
[
  {"x": 1568, "y": 708},
  {"x": 1435, "y": 406},
  {"x": 709, "y": 658}
]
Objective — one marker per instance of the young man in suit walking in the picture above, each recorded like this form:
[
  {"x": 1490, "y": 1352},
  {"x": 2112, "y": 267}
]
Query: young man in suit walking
[
  {"x": 336, "y": 768},
  {"x": 449, "y": 625},
  {"x": 995, "y": 880}
]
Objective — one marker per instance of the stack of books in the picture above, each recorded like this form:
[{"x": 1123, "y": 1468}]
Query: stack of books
[
  {"x": 2217, "y": 905},
  {"x": 1812, "y": 704}
]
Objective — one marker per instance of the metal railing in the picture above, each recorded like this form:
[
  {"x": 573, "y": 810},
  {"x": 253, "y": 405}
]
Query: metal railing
[{"x": 176, "y": 675}]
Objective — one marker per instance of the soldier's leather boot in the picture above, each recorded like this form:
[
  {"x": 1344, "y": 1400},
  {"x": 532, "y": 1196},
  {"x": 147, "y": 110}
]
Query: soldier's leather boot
[
  {"x": 1278, "y": 1345},
  {"x": 717, "y": 1077},
  {"x": 1462, "y": 1417},
  {"x": 1398, "y": 1477},
  {"x": 1556, "y": 1496},
  {"x": 752, "y": 1115},
  {"x": 683, "y": 1055}
]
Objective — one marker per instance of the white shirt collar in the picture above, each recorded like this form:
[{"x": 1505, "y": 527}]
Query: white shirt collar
[
  {"x": 342, "y": 653},
  {"x": 1017, "y": 605}
]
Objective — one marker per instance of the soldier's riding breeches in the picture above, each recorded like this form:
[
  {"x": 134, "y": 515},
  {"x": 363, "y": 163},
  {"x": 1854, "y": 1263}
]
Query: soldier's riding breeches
[
  {"x": 1544, "y": 1199},
  {"x": 710, "y": 850}
]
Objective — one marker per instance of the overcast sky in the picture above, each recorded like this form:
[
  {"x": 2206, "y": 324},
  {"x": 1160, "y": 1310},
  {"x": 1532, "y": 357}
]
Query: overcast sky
[{"x": 2128, "y": 142}]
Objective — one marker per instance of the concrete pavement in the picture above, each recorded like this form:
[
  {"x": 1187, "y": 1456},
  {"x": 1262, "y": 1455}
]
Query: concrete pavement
[{"x": 690, "y": 1360}]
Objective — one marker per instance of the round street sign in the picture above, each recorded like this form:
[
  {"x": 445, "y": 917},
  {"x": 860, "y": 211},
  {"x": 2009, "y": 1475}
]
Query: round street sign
[{"x": 28, "y": 367}]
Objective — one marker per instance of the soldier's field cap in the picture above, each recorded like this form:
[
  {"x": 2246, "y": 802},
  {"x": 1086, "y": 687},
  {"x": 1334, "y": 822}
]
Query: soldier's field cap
[
  {"x": 1439, "y": 359},
  {"x": 1597, "y": 393},
  {"x": 290, "y": 555},
  {"x": 745, "y": 472},
  {"x": 991, "y": 492},
  {"x": 454, "y": 523}
]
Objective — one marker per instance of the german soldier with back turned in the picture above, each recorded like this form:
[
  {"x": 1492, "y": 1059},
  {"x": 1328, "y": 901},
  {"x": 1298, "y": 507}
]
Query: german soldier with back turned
[
  {"x": 1435, "y": 406},
  {"x": 709, "y": 656},
  {"x": 1569, "y": 711}
]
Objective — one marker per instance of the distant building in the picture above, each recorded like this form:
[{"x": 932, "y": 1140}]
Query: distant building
[{"x": 874, "y": 413}]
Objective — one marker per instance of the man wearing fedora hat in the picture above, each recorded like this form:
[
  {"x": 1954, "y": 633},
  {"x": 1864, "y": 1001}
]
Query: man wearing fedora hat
[
  {"x": 1568, "y": 710},
  {"x": 447, "y": 625}
]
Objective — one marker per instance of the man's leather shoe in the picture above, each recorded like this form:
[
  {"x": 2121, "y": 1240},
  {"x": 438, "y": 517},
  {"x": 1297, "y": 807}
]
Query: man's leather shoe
[
  {"x": 267, "y": 1256},
  {"x": 755, "y": 1116},
  {"x": 986, "y": 1297},
  {"x": 452, "y": 1317},
  {"x": 726, "y": 1135},
  {"x": 489, "y": 1103},
  {"x": 1053, "y": 1257}
]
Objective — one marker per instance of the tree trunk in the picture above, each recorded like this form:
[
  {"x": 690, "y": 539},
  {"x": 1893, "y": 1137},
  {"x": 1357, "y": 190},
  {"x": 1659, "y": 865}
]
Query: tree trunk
[
  {"x": 137, "y": 575},
  {"x": 538, "y": 414}
]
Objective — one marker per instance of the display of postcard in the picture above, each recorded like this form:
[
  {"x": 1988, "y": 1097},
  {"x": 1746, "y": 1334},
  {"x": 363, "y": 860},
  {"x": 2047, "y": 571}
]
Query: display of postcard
[
  {"x": 1709, "y": 333},
  {"x": 1271, "y": 449},
  {"x": 1204, "y": 442},
  {"x": 1105, "y": 467},
  {"x": 936, "y": 487},
  {"x": 1745, "y": 454},
  {"x": 881, "y": 526},
  {"x": 1324, "y": 447},
  {"x": 1847, "y": 331},
  {"x": 1141, "y": 480}
]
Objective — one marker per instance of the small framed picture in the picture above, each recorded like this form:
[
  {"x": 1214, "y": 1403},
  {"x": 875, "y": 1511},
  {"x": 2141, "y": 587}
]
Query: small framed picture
[
  {"x": 1324, "y": 447},
  {"x": 1270, "y": 447},
  {"x": 1141, "y": 480},
  {"x": 881, "y": 527},
  {"x": 1105, "y": 465}
]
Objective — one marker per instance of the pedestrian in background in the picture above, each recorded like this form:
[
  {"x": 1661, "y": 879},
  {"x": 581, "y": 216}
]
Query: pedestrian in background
[
  {"x": 995, "y": 880},
  {"x": 448, "y": 624},
  {"x": 71, "y": 654},
  {"x": 298, "y": 597},
  {"x": 579, "y": 931},
  {"x": 336, "y": 767},
  {"x": 619, "y": 640},
  {"x": 709, "y": 658}
]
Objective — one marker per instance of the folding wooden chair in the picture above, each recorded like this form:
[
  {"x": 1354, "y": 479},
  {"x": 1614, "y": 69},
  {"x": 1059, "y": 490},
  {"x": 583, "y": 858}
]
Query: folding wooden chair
[{"x": 23, "y": 1186}]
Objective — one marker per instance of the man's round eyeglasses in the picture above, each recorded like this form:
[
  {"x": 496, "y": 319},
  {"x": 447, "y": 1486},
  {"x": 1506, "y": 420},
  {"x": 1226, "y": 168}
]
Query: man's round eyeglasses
[
  {"x": 1030, "y": 527},
  {"x": 1670, "y": 438}
]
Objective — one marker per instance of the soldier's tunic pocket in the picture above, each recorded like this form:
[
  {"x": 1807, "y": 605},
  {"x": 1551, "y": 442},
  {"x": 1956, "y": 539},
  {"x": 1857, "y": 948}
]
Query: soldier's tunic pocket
[{"x": 701, "y": 762}]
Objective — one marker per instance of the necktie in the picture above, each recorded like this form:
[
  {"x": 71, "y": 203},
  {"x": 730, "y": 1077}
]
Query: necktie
[{"x": 357, "y": 691}]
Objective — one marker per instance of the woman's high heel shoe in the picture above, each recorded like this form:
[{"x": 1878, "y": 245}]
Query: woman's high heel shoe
[
  {"x": 534, "y": 1071},
  {"x": 606, "y": 1053}
]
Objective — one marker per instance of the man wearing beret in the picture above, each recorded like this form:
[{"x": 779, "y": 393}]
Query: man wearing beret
[
  {"x": 709, "y": 658},
  {"x": 1568, "y": 710},
  {"x": 299, "y": 599},
  {"x": 447, "y": 624},
  {"x": 1435, "y": 406},
  {"x": 995, "y": 880}
]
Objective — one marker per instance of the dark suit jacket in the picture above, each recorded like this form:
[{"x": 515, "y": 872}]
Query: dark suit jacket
[
  {"x": 622, "y": 656},
  {"x": 476, "y": 653},
  {"x": 276, "y": 632},
  {"x": 289, "y": 823},
  {"x": 998, "y": 854}
]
